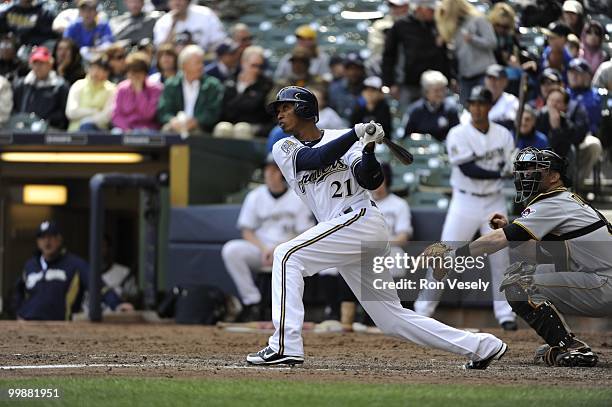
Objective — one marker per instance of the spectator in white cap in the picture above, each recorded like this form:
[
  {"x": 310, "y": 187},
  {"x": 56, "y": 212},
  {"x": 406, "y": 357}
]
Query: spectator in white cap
[
  {"x": 378, "y": 31},
  {"x": 505, "y": 105},
  {"x": 373, "y": 106},
  {"x": 435, "y": 113},
  {"x": 573, "y": 16}
]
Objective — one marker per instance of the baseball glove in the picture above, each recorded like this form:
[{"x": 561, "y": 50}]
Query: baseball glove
[{"x": 435, "y": 254}]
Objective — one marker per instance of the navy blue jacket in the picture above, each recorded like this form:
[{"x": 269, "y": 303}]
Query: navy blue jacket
[
  {"x": 422, "y": 118},
  {"x": 56, "y": 292}
]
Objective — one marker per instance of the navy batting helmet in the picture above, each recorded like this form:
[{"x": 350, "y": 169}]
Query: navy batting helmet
[
  {"x": 529, "y": 166},
  {"x": 305, "y": 102}
]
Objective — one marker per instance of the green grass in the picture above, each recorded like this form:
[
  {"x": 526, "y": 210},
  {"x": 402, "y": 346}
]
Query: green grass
[{"x": 197, "y": 392}]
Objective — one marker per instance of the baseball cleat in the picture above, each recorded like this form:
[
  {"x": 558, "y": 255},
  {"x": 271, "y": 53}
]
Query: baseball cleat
[
  {"x": 577, "y": 354},
  {"x": 268, "y": 356},
  {"x": 483, "y": 364},
  {"x": 583, "y": 357}
]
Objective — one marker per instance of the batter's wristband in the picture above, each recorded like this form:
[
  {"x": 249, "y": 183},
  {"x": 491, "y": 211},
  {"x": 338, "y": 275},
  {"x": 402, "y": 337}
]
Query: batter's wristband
[{"x": 463, "y": 251}]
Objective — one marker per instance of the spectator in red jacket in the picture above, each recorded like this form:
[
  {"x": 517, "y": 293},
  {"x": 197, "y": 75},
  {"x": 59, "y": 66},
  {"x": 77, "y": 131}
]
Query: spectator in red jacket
[{"x": 136, "y": 98}]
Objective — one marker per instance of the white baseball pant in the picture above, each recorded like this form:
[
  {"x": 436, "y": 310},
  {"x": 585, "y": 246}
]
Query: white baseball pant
[
  {"x": 240, "y": 257},
  {"x": 466, "y": 215},
  {"x": 338, "y": 242}
]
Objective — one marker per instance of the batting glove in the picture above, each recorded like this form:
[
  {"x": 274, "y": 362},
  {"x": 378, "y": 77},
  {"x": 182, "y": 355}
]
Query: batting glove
[{"x": 366, "y": 135}]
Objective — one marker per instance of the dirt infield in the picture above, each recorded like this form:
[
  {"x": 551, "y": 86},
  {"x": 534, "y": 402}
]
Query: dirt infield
[{"x": 193, "y": 351}]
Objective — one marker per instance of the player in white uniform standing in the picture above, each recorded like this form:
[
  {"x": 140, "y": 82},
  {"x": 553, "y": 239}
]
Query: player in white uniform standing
[
  {"x": 332, "y": 172},
  {"x": 271, "y": 214},
  {"x": 396, "y": 212},
  {"x": 480, "y": 153}
]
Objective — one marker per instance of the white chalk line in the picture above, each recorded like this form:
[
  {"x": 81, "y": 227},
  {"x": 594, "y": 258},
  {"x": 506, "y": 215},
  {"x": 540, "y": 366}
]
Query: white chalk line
[{"x": 74, "y": 366}]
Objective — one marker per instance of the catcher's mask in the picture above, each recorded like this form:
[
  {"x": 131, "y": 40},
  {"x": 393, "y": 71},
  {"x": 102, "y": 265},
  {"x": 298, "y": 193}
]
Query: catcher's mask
[{"x": 530, "y": 165}]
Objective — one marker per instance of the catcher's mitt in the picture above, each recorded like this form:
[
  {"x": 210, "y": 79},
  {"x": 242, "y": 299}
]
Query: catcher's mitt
[{"x": 434, "y": 255}]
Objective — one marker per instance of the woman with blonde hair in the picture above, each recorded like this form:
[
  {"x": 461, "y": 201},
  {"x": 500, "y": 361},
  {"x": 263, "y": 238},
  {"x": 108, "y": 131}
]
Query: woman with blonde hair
[{"x": 472, "y": 38}]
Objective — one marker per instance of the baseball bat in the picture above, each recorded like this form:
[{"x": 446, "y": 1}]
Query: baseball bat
[
  {"x": 403, "y": 155},
  {"x": 523, "y": 89}
]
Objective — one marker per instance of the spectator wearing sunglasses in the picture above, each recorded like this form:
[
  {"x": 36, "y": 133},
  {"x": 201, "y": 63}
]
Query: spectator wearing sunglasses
[
  {"x": 116, "y": 60},
  {"x": 592, "y": 41},
  {"x": 245, "y": 97}
]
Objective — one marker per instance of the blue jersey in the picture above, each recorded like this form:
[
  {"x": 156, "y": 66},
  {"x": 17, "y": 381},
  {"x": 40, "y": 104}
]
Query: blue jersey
[
  {"x": 590, "y": 99},
  {"x": 54, "y": 290},
  {"x": 101, "y": 34}
]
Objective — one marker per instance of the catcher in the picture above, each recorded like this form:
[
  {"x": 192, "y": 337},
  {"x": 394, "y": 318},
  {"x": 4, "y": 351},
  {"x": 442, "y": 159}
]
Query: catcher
[{"x": 568, "y": 243}]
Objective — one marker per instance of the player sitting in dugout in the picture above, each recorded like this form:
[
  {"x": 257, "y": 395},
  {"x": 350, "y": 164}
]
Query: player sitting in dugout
[
  {"x": 54, "y": 281},
  {"x": 570, "y": 241}
]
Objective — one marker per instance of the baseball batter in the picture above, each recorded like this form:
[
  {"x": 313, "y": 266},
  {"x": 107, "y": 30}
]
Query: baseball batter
[
  {"x": 571, "y": 267},
  {"x": 271, "y": 214},
  {"x": 332, "y": 173},
  {"x": 478, "y": 151}
]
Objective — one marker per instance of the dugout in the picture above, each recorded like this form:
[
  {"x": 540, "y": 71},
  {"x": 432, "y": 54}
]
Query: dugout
[{"x": 46, "y": 176}]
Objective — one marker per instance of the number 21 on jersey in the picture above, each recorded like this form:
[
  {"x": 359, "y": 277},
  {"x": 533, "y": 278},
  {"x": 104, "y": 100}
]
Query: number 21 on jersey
[{"x": 342, "y": 189}]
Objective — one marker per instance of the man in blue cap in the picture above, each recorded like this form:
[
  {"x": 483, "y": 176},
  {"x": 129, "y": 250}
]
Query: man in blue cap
[{"x": 54, "y": 281}]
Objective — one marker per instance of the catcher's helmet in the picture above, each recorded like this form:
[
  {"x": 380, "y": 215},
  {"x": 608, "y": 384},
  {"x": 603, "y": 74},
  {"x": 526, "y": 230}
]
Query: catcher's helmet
[
  {"x": 305, "y": 102},
  {"x": 529, "y": 165}
]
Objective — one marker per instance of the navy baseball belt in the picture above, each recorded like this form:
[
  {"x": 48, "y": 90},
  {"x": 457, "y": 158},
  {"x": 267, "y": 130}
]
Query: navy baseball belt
[
  {"x": 359, "y": 205},
  {"x": 475, "y": 194}
]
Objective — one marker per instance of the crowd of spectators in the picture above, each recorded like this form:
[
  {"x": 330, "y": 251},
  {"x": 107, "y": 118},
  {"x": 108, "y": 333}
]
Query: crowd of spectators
[{"x": 179, "y": 69}]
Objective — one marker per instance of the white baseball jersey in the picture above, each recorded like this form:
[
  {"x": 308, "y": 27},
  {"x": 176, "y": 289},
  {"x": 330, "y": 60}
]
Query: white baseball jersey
[
  {"x": 274, "y": 220},
  {"x": 328, "y": 192},
  {"x": 491, "y": 151},
  {"x": 396, "y": 213}
]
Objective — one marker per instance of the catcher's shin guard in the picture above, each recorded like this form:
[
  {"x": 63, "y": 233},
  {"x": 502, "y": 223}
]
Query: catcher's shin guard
[{"x": 541, "y": 315}]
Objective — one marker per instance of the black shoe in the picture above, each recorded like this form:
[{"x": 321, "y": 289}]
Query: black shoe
[
  {"x": 249, "y": 313},
  {"x": 483, "y": 364},
  {"x": 583, "y": 357},
  {"x": 267, "y": 356},
  {"x": 578, "y": 354},
  {"x": 509, "y": 326}
]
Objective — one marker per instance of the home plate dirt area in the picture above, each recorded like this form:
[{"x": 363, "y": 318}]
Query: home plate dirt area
[{"x": 165, "y": 350}]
